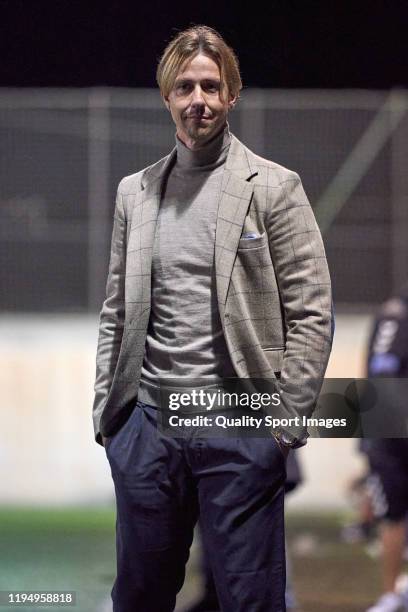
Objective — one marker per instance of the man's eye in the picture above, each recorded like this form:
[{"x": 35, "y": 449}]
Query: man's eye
[
  {"x": 213, "y": 87},
  {"x": 183, "y": 87}
]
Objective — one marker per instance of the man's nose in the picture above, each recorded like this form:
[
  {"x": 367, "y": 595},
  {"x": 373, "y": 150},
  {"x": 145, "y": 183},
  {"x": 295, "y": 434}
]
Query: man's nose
[{"x": 197, "y": 100}]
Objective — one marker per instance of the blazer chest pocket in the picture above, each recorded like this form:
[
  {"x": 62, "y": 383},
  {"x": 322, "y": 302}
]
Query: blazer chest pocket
[
  {"x": 254, "y": 258},
  {"x": 274, "y": 357}
]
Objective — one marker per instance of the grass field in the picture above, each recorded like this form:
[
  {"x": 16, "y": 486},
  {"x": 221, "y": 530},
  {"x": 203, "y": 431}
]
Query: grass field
[
  {"x": 74, "y": 549},
  {"x": 330, "y": 576},
  {"x": 58, "y": 549}
]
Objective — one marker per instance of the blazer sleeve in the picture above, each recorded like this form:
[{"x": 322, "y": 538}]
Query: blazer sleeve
[
  {"x": 112, "y": 316},
  {"x": 303, "y": 278}
]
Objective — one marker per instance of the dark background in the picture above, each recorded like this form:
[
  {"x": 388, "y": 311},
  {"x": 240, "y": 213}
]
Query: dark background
[{"x": 280, "y": 43}]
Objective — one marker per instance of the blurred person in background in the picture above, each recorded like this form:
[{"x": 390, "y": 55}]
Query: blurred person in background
[
  {"x": 388, "y": 458},
  {"x": 363, "y": 528},
  {"x": 202, "y": 240}
]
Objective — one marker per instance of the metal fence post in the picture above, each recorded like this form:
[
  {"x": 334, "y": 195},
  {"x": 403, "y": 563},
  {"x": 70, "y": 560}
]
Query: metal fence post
[
  {"x": 98, "y": 194},
  {"x": 399, "y": 189}
]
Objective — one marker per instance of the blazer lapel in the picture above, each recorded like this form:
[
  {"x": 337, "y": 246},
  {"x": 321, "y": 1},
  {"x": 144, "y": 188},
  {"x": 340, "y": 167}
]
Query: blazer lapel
[
  {"x": 142, "y": 230},
  {"x": 235, "y": 199}
]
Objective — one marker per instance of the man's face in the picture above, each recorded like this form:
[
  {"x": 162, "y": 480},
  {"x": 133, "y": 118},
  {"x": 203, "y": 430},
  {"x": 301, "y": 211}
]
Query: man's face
[{"x": 195, "y": 103}]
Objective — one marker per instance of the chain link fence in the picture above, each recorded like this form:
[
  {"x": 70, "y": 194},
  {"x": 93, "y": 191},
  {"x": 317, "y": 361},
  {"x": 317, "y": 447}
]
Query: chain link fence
[{"x": 63, "y": 152}]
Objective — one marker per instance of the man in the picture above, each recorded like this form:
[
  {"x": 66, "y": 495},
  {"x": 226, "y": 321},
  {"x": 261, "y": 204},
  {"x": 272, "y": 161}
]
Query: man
[
  {"x": 388, "y": 458},
  {"x": 217, "y": 270}
]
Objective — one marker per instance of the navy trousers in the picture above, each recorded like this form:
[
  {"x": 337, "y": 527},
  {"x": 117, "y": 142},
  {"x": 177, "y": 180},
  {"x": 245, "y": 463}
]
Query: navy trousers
[{"x": 162, "y": 484}]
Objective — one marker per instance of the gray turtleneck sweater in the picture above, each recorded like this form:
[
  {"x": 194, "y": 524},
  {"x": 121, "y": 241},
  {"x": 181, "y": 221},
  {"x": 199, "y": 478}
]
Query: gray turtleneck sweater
[{"x": 185, "y": 339}]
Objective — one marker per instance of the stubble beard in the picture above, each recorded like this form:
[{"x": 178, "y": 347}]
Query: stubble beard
[
  {"x": 201, "y": 135},
  {"x": 198, "y": 134}
]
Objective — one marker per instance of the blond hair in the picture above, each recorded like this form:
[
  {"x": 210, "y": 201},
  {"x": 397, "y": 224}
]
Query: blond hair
[{"x": 189, "y": 43}]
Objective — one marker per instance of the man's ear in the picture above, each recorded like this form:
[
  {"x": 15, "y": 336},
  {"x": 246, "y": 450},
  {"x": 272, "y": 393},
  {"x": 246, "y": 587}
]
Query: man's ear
[
  {"x": 166, "y": 102},
  {"x": 231, "y": 102}
]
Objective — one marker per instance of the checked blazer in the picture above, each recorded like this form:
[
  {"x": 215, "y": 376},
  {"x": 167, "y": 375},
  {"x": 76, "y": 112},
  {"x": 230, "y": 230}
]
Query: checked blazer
[{"x": 273, "y": 291}]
